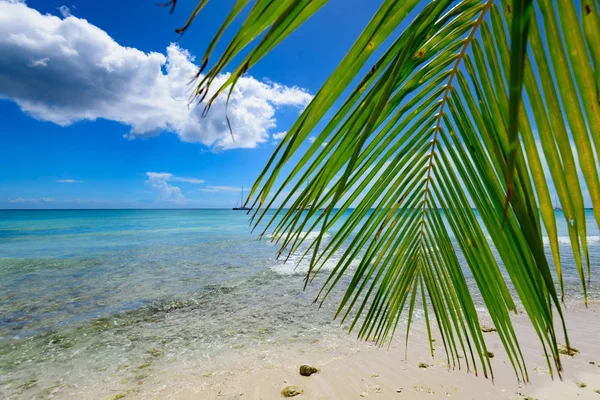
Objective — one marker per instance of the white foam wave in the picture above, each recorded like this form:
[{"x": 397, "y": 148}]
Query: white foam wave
[
  {"x": 565, "y": 240},
  {"x": 594, "y": 240},
  {"x": 297, "y": 266},
  {"x": 303, "y": 235}
]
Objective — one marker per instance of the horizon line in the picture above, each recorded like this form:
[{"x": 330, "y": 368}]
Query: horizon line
[{"x": 164, "y": 208}]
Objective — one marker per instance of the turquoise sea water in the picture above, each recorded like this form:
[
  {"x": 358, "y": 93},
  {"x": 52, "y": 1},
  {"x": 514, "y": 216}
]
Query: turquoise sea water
[{"x": 101, "y": 295}]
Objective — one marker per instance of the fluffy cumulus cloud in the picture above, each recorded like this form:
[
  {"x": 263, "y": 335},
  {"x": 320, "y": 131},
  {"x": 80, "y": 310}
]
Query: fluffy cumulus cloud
[
  {"x": 66, "y": 70},
  {"x": 279, "y": 135},
  {"x": 161, "y": 183}
]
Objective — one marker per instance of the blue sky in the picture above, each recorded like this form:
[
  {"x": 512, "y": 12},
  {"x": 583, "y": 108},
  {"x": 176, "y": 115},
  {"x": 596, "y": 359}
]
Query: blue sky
[{"x": 93, "y": 103}]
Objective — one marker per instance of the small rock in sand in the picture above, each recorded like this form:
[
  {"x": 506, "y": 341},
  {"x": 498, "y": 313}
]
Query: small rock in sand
[
  {"x": 487, "y": 329},
  {"x": 291, "y": 391},
  {"x": 423, "y": 365},
  {"x": 364, "y": 394},
  {"x": 307, "y": 370},
  {"x": 399, "y": 390},
  {"x": 581, "y": 384},
  {"x": 597, "y": 391},
  {"x": 567, "y": 350},
  {"x": 490, "y": 354}
]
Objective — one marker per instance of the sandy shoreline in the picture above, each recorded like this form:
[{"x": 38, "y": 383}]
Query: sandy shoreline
[{"x": 355, "y": 370}]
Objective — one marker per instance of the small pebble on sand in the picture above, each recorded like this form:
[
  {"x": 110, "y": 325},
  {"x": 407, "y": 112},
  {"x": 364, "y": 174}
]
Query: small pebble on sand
[
  {"x": 307, "y": 370},
  {"x": 291, "y": 391},
  {"x": 567, "y": 350}
]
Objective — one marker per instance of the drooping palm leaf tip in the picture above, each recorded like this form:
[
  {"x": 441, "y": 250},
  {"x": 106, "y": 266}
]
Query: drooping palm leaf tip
[{"x": 458, "y": 112}]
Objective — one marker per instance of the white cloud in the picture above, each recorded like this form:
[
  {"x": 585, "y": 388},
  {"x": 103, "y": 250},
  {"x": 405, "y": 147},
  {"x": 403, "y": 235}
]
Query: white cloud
[
  {"x": 221, "y": 189},
  {"x": 68, "y": 181},
  {"x": 159, "y": 181},
  {"x": 64, "y": 11},
  {"x": 78, "y": 72},
  {"x": 25, "y": 200},
  {"x": 42, "y": 62},
  {"x": 194, "y": 181},
  {"x": 279, "y": 135},
  {"x": 312, "y": 139}
]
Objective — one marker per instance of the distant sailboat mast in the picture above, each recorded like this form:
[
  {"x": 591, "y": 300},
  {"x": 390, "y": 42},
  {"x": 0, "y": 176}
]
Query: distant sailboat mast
[{"x": 240, "y": 204}]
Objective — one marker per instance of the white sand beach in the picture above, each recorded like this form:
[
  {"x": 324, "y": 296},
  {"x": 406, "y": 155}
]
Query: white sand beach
[{"x": 358, "y": 370}]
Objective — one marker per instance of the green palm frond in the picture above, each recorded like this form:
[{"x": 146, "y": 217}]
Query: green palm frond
[{"x": 459, "y": 111}]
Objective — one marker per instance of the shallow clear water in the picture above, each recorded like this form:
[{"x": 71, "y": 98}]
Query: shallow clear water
[{"x": 105, "y": 295}]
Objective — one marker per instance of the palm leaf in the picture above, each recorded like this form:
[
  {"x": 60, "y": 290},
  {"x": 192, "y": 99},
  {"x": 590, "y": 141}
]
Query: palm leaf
[{"x": 437, "y": 125}]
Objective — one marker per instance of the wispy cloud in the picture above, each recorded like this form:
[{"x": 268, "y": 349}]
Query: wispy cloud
[
  {"x": 64, "y": 11},
  {"x": 31, "y": 200},
  {"x": 40, "y": 62},
  {"x": 221, "y": 189},
  {"x": 68, "y": 181},
  {"x": 194, "y": 181}
]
